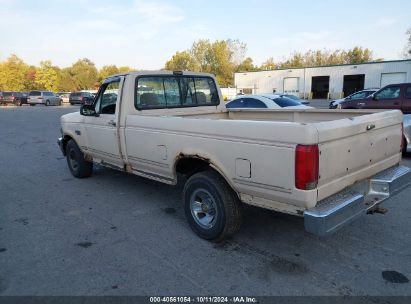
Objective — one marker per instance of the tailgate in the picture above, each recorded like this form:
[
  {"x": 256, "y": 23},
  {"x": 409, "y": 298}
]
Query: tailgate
[{"x": 356, "y": 148}]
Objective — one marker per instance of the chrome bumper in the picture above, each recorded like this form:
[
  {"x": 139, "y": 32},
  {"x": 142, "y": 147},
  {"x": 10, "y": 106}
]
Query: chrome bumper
[{"x": 340, "y": 209}]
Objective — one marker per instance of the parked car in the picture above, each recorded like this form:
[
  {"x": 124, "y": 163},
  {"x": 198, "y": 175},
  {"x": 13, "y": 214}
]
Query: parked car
[
  {"x": 80, "y": 98},
  {"x": 310, "y": 163},
  {"x": 407, "y": 133},
  {"x": 15, "y": 98},
  {"x": 43, "y": 97},
  {"x": 296, "y": 98},
  {"x": 357, "y": 95},
  {"x": 1, "y": 97},
  {"x": 267, "y": 101},
  {"x": 393, "y": 96},
  {"x": 64, "y": 97}
]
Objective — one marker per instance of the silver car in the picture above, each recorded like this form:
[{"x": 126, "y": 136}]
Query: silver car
[
  {"x": 43, "y": 97},
  {"x": 407, "y": 133}
]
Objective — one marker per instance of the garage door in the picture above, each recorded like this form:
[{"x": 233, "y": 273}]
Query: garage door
[
  {"x": 291, "y": 85},
  {"x": 392, "y": 78}
]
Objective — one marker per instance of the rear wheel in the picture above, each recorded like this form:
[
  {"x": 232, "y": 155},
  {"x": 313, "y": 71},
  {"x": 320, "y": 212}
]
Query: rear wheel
[
  {"x": 32, "y": 104},
  {"x": 212, "y": 208},
  {"x": 78, "y": 166}
]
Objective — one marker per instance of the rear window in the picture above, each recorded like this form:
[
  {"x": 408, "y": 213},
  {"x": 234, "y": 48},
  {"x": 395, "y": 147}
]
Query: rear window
[
  {"x": 7, "y": 94},
  {"x": 35, "y": 93},
  {"x": 286, "y": 102},
  {"x": 75, "y": 94},
  {"x": 157, "y": 92}
]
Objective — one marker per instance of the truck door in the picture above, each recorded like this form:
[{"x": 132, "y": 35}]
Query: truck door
[
  {"x": 387, "y": 98},
  {"x": 101, "y": 132}
]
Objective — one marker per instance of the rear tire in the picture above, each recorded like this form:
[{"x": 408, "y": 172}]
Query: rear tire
[
  {"x": 212, "y": 208},
  {"x": 32, "y": 105},
  {"x": 78, "y": 166}
]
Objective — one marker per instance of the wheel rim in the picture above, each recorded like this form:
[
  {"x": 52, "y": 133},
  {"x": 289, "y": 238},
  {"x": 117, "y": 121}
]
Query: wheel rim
[
  {"x": 73, "y": 160},
  {"x": 203, "y": 208}
]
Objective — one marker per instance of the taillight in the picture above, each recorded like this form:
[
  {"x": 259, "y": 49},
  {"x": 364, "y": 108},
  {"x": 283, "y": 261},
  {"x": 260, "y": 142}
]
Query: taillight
[
  {"x": 41, "y": 97},
  {"x": 306, "y": 167},
  {"x": 12, "y": 97}
]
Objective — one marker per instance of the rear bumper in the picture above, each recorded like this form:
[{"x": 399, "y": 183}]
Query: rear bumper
[
  {"x": 36, "y": 102},
  {"x": 340, "y": 209}
]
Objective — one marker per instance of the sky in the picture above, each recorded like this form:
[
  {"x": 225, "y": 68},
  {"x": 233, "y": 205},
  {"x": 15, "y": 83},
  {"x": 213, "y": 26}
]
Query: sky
[{"x": 144, "y": 34}]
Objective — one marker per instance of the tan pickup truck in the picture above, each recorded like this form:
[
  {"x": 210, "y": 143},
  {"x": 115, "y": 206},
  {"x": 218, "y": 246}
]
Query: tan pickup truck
[{"x": 324, "y": 165}]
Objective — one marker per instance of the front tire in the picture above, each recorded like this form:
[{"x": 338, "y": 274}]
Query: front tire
[
  {"x": 47, "y": 103},
  {"x": 78, "y": 166},
  {"x": 212, "y": 208}
]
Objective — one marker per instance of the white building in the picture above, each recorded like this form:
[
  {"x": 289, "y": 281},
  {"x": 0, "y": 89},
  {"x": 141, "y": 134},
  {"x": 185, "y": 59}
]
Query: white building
[{"x": 332, "y": 81}]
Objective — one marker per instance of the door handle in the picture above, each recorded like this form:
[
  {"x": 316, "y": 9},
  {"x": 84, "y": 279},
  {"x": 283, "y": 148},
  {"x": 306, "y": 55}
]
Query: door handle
[
  {"x": 112, "y": 123},
  {"x": 361, "y": 104}
]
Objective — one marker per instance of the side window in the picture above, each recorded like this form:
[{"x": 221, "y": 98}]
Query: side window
[
  {"x": 150, "y": 92},
  {"x": 238, "y": 103},
  {"x": 389, "y": 93},
  {"x": 187, "y": 91},
  {"x": 206, "y": 92},
  {"x": 359, "y": 95},
  {"x": 408, "y": 92},
  {"x": 255, "y": 103},
  {"x": 107, "y": 99}
]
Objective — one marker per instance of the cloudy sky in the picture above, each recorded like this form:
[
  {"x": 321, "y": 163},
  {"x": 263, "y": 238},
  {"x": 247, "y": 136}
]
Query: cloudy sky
[{"x": 143, "y": 34}]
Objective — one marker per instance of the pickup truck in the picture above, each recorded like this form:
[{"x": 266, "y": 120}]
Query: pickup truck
[
  {"x": 393, "y": 96},
  {"x": 326, "y": 166}
]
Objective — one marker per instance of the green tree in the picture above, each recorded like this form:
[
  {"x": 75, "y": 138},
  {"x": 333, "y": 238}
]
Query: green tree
[
  {"x": 13, "y": 74},
  {"x": 107, "y": 71},
  {"x": 125, "y": 69},
  {"x": 358, "y": 55},
  {"x": 183, "y": 61},
  {"x": 67, "y": 82},
  {"x": 246, "y": 66},
  {"x": 48, "y": 76},
  {"x": 85, "y": 74},
  {"x": 269, "y": 64}
]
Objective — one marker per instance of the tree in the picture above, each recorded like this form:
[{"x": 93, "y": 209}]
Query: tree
[
  {"x": 218, "y": 57},
  {"x": 183, "y": 61},
  {"x": 13, "y": 74},
  {"x": 407, "y": 49},
  {"x": 107, "y": 71},
  {"x": 358, "y": 55},
  {"x": 246, "y": 66},
  {"x": 125, "y": 69},
  {"x": 269, "y": 64},
  {"x": 48, "y": 76},
  {"x": 67, "y": 82},
  {"x": 84, "y": 73}
]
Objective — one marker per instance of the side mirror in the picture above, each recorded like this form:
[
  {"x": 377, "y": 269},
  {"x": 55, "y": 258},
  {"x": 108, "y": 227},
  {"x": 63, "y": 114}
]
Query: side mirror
[
  {"x": 89, "y": 101},
  {"x": 88, "y": 110},
  {"x": 375, "y": 97}
]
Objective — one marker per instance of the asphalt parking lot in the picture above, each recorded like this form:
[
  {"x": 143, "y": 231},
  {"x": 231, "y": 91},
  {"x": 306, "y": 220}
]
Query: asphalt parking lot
[{"x": 118, "y": 234}]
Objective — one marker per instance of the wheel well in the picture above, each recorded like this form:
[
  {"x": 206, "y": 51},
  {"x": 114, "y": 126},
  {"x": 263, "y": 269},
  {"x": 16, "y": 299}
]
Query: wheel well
[
  {"x": 66, "y": 139},
  {"x": 188, "y": 166}
]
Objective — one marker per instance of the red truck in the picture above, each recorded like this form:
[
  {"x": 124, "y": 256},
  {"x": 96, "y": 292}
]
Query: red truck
[{"x": 393, "y": 96}]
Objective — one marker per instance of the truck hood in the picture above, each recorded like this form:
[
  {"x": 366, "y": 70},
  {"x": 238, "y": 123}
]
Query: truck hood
[{"x": 71, "y": 118}]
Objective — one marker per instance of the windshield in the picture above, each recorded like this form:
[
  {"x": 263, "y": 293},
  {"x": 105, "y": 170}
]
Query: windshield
[{"x": 285, "y": 102}]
